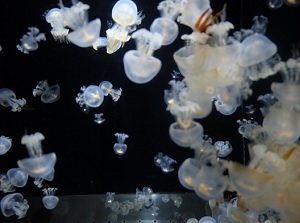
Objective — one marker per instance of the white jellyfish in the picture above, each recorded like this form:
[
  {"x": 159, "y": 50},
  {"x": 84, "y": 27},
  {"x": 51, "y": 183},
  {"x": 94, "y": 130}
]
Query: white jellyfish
[
  {"x": 49, "y": 94},
  {"x": 14, "y": 204},
  {"x": 5, "y": 144},
  {"x": 29, "y": 41},
  {"x": 120, "y": 147},
  {"x": 108, "y": 89},
  {"x": 164, "y": 162},
  {"x": 58, "y": 31},
  {"x": 50, "y": 201},
  {"x": 8, "y": 99},
  {"x": 98, "y": 118}
]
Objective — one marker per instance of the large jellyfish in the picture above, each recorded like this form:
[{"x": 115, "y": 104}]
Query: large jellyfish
[
  {"x": 5, "y": 144},
  {"x": 38, "y": 165},
  {"x": 29, "y": 41},
  {"x": 140, "y": 66},
  {"x": 49, "y": 94},
  {"x": 84, "y": 33},
  {"x": 8, "y": 99},
  {"x": 14, "y": 204},
  {"x": 50, "y": 201}
]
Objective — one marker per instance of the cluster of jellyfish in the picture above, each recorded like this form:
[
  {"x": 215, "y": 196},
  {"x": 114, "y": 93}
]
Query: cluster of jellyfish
[{"x": 38, "y": 166}]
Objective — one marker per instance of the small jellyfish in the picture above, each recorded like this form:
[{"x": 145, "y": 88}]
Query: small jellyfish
[
  {"x": 275, "y": 4},
  {"x": 207, "y": 219},
  {"x": 98, "y": 118},
  {"x": 192, "y": 220},
  {"x": 164, "y": 162},
  {"x": 49, "y": 94},
  {"x": 15, "y": 177},
  {"x": 177, "y": 200},
  {"x": 5, "y": 144},
  {"x": 38, "y": 165},
  {"x": 50, "y": 201},
  {"x": 223, "y": 148},
  {"x": 14, "y": 204},
  {"x": 108, "y": 89},
  {"x": 120, "y": 147},
  {"x": 29, "y": 41},
  {"x": 8, "y": 99},
  {"x": 188, "y": 171},
  {"x": 110, "y": 197},
  {"x": 246, "y": 126}
]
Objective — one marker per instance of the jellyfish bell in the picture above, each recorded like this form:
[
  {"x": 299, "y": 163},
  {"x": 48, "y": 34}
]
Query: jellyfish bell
[
  {"x": 50, "y": 201},
  {"x": 93, "y": 96},
  {"x": 187, "y": 172},
  {"x": 51, "y": 94},
  {"x": 5, "y": 144},
  {"x": 14, "y": 204},
  {"x": 8, "y": 99},
  {"x": 17, "y": 177},
  {"x": 125, "y": 12}
]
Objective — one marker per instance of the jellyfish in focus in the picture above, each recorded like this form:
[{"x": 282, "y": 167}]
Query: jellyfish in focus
[
  {"x": 29, "y": 41},
  {"x": 55, "y": 18},
  {"x": 164, "y": 162},
  {"x": 49, "y": 94},
  {"x": 108, "y": 89},
  {"x": 14, "y": 204},
  {"x": 140, "y": 66},
  {"x": 84, "y": 33},
  {"x": 223, "y": 148},
  {"x": 38, "y": 165},
  {"x": 120, "y": 147},
  {"x": 91, "y": 96},
  {"x": 5, "y": 144},
  {"x": 50, "y": 201},
  {"x": 98, "y": 118},
  {"x": 8, "y": 99},
  {"x": 15, "y": 177}
]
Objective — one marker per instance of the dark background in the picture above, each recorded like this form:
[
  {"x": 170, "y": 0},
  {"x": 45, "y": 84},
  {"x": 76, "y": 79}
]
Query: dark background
[{"x": 86, "y": 162}]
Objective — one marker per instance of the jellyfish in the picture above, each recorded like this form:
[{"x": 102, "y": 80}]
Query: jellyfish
[
  {"x": 275, "y": 4},
  {"x": 110, "y": 197},
  {"x": 120, "y": 147},
  {"x": 207, "y": 219},
  {"x": 58, "y": 31},
  {"x": 49, "y": 94},
  {"x": 91, "y": 96},
  {"x": 223, "y": 148},
  {"x": 164, "y": 162},
  {"x": 5, "y": 144},
  {"x": 187, "y": 172},
  {"x": 8, "y": 99},
  {"x": 292, "y": 3},
  {"x": 192, "y": 220},
  {"x": 140, "y": 66},
  {"x": 246, "y": 126},
  {"x": 107, "y": 89},
  {"x": 29, "y": 41},
  {"x": 100, "y": 42},
  {"x": 126, "y": 18},
  {"x": 50, "y": 201},
  {"x": 15, "y": 177},
  {"x": 98, "y": 118},
  {"x": 84, "y": 33},
  {"x": 14, "y": 204},
  {"x": 38, "y": 165}
]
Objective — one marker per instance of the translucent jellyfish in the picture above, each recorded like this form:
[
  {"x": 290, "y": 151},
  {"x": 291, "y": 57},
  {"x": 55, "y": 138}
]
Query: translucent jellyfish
[
  {"x": 5, "y": 144},
  {"x": 55, "y": 18},
  {"x": 8, "y": 99},
  {"x": 110, "y": 197},
  {"x": 223, "y": 148},
  {"x": 38, "y": 165},
  {"x": 50, "y": 201},
  {"x": 84, "y": 33},
  {"x": 98, "y": 118},
  {"x": 177, "y": 200},
  {"x": 282, "y": 124},
  {"x": 14, "y": 204},
  {"x": 140, "y": 66},
  {"x": 246, "y": 126},
  {"x": 267, "y": 100},
  {"x": 49, "y": 94},
  {"x": 207, "y": 219},
  {"x": 187, "y": 172},
  {"x": 275, "y": 4},
  {"x": 100, "y": 42},
  {"x": 91, "y": 96},
  {"x": 192, "y": 220},
  {"x": 288, "y": 92},
  {"x": 292, "y": 3},
  {"x": 164, "y": 162},
  {"x": 108, "y": 89},
  {"x": 29, "y": 41},
  {"x": 120, "y": 147},
  {"x": 15, "y": 177}
]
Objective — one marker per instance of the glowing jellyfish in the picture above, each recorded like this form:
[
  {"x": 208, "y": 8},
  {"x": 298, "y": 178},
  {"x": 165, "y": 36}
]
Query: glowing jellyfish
[
  {"x": 49, "y": 94},
  {"x": 15, "y": 177},
  {"x": 164, "y": 162},
  {"x": 192, "y": 220},
  {"x": 275, "y": 4},
  {"x": 50, "y": 201},
  {"x": 29, "y": 41},
  {"x": 84, "y": 33},
  {"x": 207, "y": 219},
  {"x": 140, "y": 66},
  {"x": 5, "y": 144},
  {"x": 108, "y": 89},
  {"x": 55, "y": 18},
  {"x": 38, "y": 165},
  {"x": 14, "y": 204},
  {"x": 91, "y": 96},
  {"x": 292, "y": 3},
  {"x": 8, "y": 99},
  {"x": 98, "y": 118},
  {"x": 120, "y": 147},
  {"x": 110, "y": 197},
  {"x": 187, "y": 172},
  {"x": 223, "y": 148},
  {"x": 246, "y": 126}
]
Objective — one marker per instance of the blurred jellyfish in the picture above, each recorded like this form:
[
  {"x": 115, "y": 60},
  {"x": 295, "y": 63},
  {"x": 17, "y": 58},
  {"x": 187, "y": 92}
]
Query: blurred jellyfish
[
  {"x": 192, "y": 220},
  {"x": 5, "y": 144},
  {"x": 50, "y": 201},
  {"x": 84, "y": 33},
  {"x": 17, "y": 177},
  {"x": 107, "y": 89},
  {"x": 164, "y": 162},
  {"x": 91, "y": 96},
  {"x": 207, "y": 219},
  {"x": 246, "y": 126},
  {"x": 126, "y": 17},
  {"x": 55, "y": 18},
  {"x": 292, "y": 3},
  {"x": 250, "y": 109},
  {"x": 110, "y": 197},
  {"x": 267, "y": 100},
  {"x": 275, "y": 4},
  {"x": 140, "y": 66},
  {"x": 98, "y": 118},
  {"x": 8, "y": 99},
  {"x": 223, "y": 148},
  {"x": 120, "y": 147},
  {"x": 38, "y": 165},
  {"x": 187, "y": 172},
  {"x": 48, "y": 94},
  {"x": 177, "y": 200},
  {"x": 29, "y": 41},
  {"x": 14, "y": 204}
]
